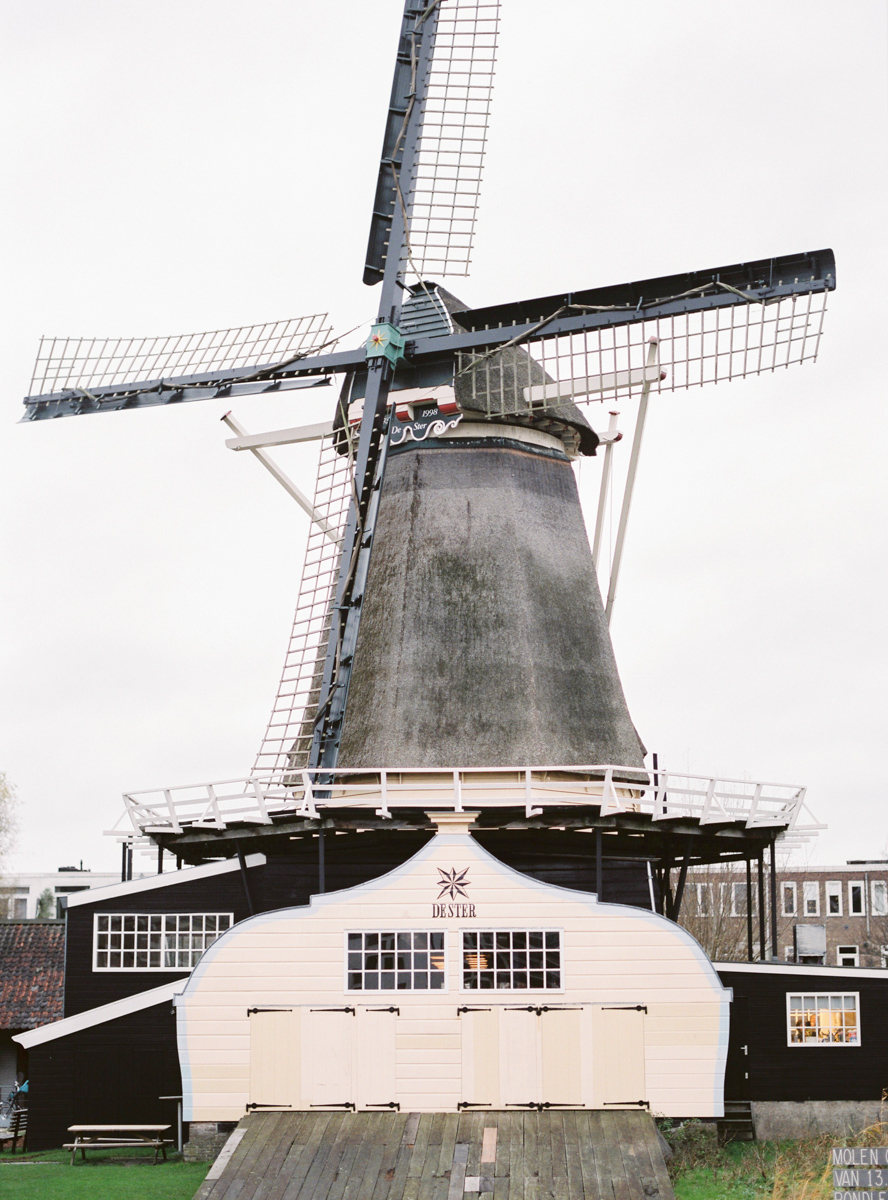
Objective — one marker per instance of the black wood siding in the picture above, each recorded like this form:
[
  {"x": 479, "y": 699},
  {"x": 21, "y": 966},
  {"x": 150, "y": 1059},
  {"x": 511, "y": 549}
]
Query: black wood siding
[
  {"x": 112, "y": 1073},
  {"x": 781, "y": 1072}
]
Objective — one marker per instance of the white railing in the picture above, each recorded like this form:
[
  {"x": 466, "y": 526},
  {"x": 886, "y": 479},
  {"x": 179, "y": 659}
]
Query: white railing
[{"x": 662, "y": 795}]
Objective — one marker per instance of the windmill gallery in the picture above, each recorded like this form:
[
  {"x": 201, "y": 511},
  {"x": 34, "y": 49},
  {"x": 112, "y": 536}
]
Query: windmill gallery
[{"x": 450, "y": 883}]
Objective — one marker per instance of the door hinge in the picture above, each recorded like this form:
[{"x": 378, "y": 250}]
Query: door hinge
[
  {"x": 391, "y": 1008},
  {"x": 250, "y": 1011},
  {"x": 344, "y": 1104},
  {"x": 629, "y": 1103},
  {"x": 625, "y": 1008},
  {"x": 346, "y": 1009},
  {"x": 475, "y": 1103},
  {"x": 388, "y": 1104},
  {"x": 466, "y": 1008}
]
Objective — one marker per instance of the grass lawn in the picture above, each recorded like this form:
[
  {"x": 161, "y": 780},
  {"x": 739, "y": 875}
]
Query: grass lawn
[{"x": 105, "y": 1175}]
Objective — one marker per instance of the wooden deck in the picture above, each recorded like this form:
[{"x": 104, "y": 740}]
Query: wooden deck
[{"x": 552, "y": 1155}]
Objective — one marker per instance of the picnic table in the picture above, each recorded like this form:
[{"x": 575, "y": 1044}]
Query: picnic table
[{"x": 107, "y": 1137}]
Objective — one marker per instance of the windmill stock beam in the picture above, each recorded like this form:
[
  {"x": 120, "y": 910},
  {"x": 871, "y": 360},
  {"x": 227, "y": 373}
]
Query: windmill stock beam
[{"x": 489, "y": 328}]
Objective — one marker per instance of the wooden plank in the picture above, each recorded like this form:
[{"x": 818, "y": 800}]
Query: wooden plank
[
  {"x": 256, "y": 1169},
  {"x": 530, "y": 1123},
  {"x": 405, "y": 1156},
  {"x": 423, "y": 1152},
  {"x": 305, "y": 1188},
  {"x": 655, "y": 1155},
  {"x": 392, "y": 1147},
  {"x": 544, "y": 1153},
  {"x": 517, "y": 1157},
  {"x": 502, "y": 1182},
  {"x": 457, "y": 1183},
  {"x": 244, "y": 1161},
  {"x": 410, "y": 1129},
  {"x": 298, "y": 1161},
  {"x": 364, "y": 1157},
  {"x": 631, "y": 1139},
  {"x": 291, "y": 1133},
  {"x": 469, "y": 1131},
  {"x": 611, "y": 1130},
  {"x": 318, "y": 1188},
  {"x": 559, "y": 1154},
  {"x": 377, "y": 1154},
  {"x": 575, "y": 1186},
  {"x": 345, "y": 1166},
  {"x": 598, "y": 1155},
  {"x": 448, "y": 1142}
]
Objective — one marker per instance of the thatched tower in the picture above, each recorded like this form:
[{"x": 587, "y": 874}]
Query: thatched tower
[{"x": 483, "y": 639}]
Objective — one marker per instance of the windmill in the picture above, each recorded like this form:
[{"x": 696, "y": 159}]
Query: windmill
[{"x": 440, "y": 400}]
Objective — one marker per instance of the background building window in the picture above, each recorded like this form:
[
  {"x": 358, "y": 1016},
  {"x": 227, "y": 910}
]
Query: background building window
[
  {"x": 879, "y": 897},
  {"x": 823, "y": 1020},
  {"x": 396, "y": 960},
  {"x": 833, "y": 898},
  {"x": 848, "y": 956},
  {"x": 789, "y": 953},
  {"x": 789, "y": 899},
  {"x": 512, "y": 959},
  {"x": 738, "y": 900},
  {"x": 811, "y": 898},
  {"x": 855, "y": 898},
  {"x": 154, "y": 941},
  {"x": 704, "y": 900}
]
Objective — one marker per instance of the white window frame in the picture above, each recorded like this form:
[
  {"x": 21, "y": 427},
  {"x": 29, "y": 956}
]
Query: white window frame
[
  {"x": 879, "y": 887},
  {"x": 506, "y": 992},
  {"x": 847, "y": 952},
  {"x": 795, "y": 898},
  {"x": 861, "y": 912},
  {"x": 703, "y": 893},
  {"x": 810, "y": 885},
  {"x": 833, "y": 889},
  {"x": 357, "y": 992},
  {"x": 735, "y": 892},
  {"x": 163, "y": 932},
  {"x": 814, "y": 1042}
]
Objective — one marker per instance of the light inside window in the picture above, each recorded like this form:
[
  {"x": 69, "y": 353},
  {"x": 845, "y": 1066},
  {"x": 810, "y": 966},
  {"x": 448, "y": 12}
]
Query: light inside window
[
  {"x": 511, "y": 960},
  {"x": 817, "y": 1020},
  {"x": 155, "y": 941},
  {"x": 396, "y": 960}
]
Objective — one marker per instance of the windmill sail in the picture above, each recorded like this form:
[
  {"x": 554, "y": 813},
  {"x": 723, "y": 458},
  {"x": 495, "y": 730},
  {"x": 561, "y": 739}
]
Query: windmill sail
[
  {"x": 441, "y": 190},
  {"x": 285, "y": 746}
]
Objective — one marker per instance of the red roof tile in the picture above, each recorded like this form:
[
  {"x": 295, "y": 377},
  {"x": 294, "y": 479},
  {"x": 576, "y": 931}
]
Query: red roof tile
[{"x": 32, "y": 973}]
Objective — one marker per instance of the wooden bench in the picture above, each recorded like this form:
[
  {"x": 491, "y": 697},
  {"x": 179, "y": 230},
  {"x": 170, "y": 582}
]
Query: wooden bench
[
  {"x": 16, "y": 1130},
  {"x": 110, "y": 1137}
]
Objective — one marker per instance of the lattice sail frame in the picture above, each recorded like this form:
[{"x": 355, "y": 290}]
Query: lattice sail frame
[
  {"x": 710, "y": 346},
  {"x": 285, "y": 746},
  {"x": 64, "y": 363},
  {"x": 446, "y": 181}
]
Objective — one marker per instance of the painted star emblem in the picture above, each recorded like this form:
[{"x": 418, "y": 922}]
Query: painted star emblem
[
  {"x": 453, "y": 883},
  {"x": 377, "y": 339}
]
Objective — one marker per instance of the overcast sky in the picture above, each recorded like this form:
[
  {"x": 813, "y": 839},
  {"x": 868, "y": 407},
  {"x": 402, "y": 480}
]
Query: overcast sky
[{"x": 195, "y": 164}]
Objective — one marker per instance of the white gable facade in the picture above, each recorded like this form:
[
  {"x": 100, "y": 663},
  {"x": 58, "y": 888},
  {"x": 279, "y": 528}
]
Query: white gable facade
[{"x": 453, "y": 982}]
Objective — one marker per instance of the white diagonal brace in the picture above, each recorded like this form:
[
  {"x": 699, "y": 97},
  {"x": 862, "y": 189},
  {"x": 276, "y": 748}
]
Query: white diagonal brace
[
  {"x": 284, "y": 480},
  {"x": 281, "y": 437}
]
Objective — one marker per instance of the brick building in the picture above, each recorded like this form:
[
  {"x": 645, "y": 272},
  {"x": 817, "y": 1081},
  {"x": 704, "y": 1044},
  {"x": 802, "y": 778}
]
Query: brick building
[{"x": 832, "y": 916}]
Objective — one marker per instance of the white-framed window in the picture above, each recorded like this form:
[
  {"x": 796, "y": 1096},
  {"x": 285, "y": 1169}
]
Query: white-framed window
[
  {"x": 396, "y": 960},
  {"x": 738, "y": 900},
  {"x": 811, "y": 898},
  {"x": 856, "y": 898},
  {"x": 833, "y": 898},
  {"x": 848, "y": 956},
  {"x": 879, "y": 897},
  {"x": 790, "y": 902},
  {"x": 511, "y": 960},
  {"x": 883, "y": 950},
  {"x": 789, "y": 953},
  {"x": 704, "y": 899},
  {"x": 823, "y": 1019},
  {"x": 154, "y": 941}
]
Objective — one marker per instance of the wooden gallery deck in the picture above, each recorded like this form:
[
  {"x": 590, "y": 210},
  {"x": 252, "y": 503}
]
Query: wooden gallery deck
[{"x": 552, "y": 1155}]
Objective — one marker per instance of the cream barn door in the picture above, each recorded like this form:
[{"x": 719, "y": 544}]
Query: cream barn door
[
  {"x": 479, "y": 1029},
  {"x": 274, "y": 1058},
  {"x": 618, "y": 1061},
  {"x": 375, "y": 1074},
  {"x": 328, "y": 1044},
  {"x": 520, "y": 1056},
  {"x": 561, "y": 1055}
]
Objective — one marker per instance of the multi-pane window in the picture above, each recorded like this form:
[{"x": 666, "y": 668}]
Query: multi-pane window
[
  {"x": 848, "y": 956},
  {"x": 738, "y": 900},
  {"x": 855, "y": 898},
  {"x": 393, "y": 960},
  {"x": 823, "y": 1020},
  {"x": 811, "y": 898},
  {"x": 704, "y": 899},
  {"x": 154, "y": 941},
  {"x": 511, "y": 960},
  {"x": 789, "y": 899},
  {"x": 833, "y": 898},
  {"x": 879, "y": 897}
]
